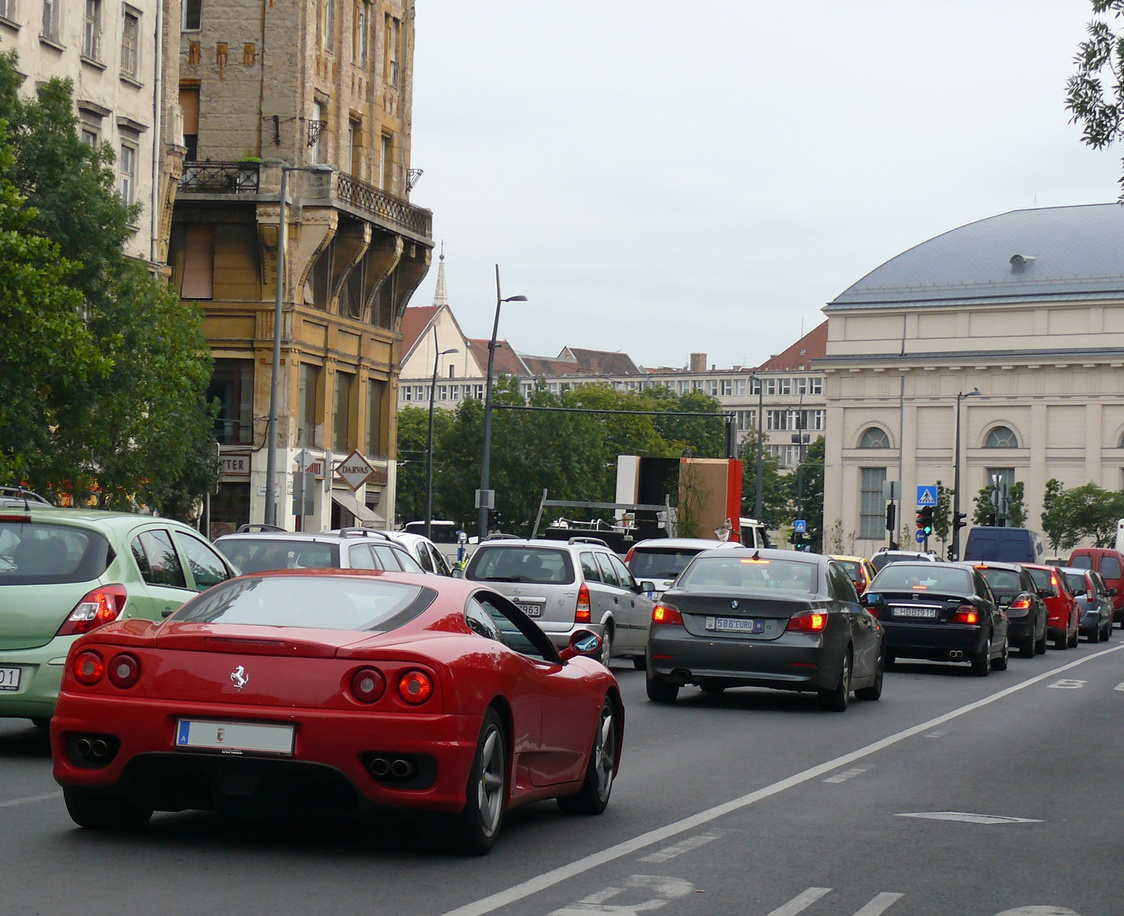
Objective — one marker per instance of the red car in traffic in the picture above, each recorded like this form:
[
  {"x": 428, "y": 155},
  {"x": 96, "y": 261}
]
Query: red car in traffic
[
  {"x": 340, "y": 690},
  {"x": 1063, "y": 616}
]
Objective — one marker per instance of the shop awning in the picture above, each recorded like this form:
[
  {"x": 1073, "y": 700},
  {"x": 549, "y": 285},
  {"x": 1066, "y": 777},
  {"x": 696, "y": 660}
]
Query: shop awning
[{"x": 356, "y": 508}]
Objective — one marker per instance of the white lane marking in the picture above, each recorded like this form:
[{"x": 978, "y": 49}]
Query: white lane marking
[
  {"x": 555, "y": 876},
  {"x": 847, "y": 774},
  {"x": 1038, "y": 911},
  {"x": 666, "y": 890},
  {"x": 801, "y": 902},
  {"x": 879, "y": 904},
  {"x": 964, "y": 817},
  {"x": 670, "y": 852},
  {"x": 939, "y": 733},
  {"x": 11, "y": 803},
  {"x": 1066, "y": 684}
]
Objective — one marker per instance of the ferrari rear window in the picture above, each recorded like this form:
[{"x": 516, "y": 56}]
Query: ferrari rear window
[
  {"x": 327, "y": 602},
  {"x": 41, "y": 553}
]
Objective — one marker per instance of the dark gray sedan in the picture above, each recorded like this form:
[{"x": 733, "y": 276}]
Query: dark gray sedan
[{"x": 765, "y": 618}]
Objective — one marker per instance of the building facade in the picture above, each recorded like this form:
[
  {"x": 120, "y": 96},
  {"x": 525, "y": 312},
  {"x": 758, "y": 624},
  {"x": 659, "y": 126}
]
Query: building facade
[
  {"x": 317, "y": 96},
  {"x": 1005, "y": 335}
]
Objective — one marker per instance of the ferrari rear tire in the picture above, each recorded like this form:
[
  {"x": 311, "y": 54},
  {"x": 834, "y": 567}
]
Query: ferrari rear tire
[
  {"x": 598, "y": 784},
  {"x": 478, "y": 825},
  {"x": 99, "y": 810}
]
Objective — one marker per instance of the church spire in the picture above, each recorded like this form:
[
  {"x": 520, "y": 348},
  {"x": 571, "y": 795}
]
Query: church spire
[{"x": 441, "y": 293}]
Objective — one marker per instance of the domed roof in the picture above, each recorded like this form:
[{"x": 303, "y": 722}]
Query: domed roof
[{"x": 1050, "y": 253}]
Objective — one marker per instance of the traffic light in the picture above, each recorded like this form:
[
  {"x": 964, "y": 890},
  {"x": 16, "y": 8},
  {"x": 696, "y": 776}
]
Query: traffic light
[
  {"x": 960, "y": 521},
  {"x": 925, "y": 520}
]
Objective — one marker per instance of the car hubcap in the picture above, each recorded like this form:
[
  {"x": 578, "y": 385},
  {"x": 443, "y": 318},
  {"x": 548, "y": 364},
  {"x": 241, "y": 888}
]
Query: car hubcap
[
  {"x": 605, "y": 753},
  {"x": 489, "y": 791}
]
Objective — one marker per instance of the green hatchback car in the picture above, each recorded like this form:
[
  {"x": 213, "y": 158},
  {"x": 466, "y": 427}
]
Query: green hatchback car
[{"x": 64, "y": 572}]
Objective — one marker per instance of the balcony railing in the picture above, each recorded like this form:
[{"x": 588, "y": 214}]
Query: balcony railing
[{"x": 245, "y": 178}]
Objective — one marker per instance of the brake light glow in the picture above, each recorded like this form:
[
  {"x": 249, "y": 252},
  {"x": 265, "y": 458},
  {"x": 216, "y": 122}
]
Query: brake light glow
[
  {"x": 368, "y": 685},
  {"x": 966, "y": 613},
  {"x": 415, "y": 687},
  {"x": 807, "y": 622},
  {"x": 666, "y": 615},
  {"x": 582, "y": 614},
  {"x": 100, "y": 606},
  {"x": 124, "y": 670},
  {"x": 89, "y": 668},
  {"x": 1020, "y": 604}
]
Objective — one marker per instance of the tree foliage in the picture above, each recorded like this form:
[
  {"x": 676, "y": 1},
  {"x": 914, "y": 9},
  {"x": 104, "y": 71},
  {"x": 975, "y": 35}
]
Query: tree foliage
[
  {"x": 1095, "y": 92},
  {"x": 105, "y": 373},
  {"x": 1087, "y": 511}
]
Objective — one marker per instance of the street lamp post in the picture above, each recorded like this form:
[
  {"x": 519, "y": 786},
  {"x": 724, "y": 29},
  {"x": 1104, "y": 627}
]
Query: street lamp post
[
  {"x": 275, "y": 377},
  {"x": 437, "y": 354},
  {"x": 956, "y": 475},
  {"x": 759, "y": 502},
  {"x": 484, "y": 500}
]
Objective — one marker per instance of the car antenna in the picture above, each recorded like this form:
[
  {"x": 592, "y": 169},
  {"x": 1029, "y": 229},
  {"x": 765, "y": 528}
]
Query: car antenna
[{"x": 756, "y": 555}]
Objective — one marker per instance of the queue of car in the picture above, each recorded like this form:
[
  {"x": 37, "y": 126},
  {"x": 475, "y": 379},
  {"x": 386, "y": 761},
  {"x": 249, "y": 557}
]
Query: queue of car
[{"x": 354, "y": 670}]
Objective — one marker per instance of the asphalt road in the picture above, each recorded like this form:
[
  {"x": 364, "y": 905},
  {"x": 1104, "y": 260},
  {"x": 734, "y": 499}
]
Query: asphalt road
[{"x": 952, "y": 795}]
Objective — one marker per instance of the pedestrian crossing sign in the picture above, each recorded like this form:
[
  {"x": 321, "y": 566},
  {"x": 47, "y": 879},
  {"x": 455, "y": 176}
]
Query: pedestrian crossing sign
[{"x": 927, "y": 495}]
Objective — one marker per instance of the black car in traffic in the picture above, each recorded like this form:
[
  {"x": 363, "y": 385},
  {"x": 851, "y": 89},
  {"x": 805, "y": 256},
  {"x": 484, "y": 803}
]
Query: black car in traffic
[
  {"x": 1017, "y": 593},
  {"x": 939, "y": 612}
]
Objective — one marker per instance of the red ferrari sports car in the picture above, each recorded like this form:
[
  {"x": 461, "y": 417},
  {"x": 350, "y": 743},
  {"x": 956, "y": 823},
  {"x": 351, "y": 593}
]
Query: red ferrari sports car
[{"x": 352, "y": 691}]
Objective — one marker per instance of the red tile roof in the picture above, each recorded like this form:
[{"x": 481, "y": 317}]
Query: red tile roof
[{"x": 812, "y": 345}]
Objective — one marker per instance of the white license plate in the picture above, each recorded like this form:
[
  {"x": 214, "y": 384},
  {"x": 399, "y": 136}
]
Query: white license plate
[
  {"x": 735, "y": 625},
  {"x": 9, "y": 678},
  {"x": 531, "y": 610},
  {"x": 235, "y": 737},
  {"x": 915, "y": 612}
]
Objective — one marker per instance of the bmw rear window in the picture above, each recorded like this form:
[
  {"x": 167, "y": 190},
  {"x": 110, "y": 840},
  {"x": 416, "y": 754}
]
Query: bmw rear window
[
  {"x": 41, "y": 553},
  {"x": 325, "y": 602},
  {"x": 539, "y": 565}
]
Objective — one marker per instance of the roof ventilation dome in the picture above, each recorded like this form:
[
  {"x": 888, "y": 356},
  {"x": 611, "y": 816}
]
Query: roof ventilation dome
[{"x": 1019, "y": 263}]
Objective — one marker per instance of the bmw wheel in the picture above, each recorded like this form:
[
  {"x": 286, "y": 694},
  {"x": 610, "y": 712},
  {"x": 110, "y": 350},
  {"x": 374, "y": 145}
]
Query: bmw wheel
[
  {"x": 874, "y": 691},
  {"x": 478, "y": 825},
  {"x": 659, "y": 690},
  {"x": 593, "y": 797},
  {"x": 836, "y": 698}
]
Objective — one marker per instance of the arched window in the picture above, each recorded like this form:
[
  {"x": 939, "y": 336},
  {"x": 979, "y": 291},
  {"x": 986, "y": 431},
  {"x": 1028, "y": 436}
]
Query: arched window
[
  {"x": 874, "y": 437},
  {"x": 1002, "y": 437}
]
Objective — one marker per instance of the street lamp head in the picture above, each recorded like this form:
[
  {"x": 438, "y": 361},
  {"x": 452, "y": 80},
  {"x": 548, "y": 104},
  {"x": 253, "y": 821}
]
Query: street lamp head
[
  {"x": 968, "y": 394},
  {"x": 514, "y": 299},
  {"x": 447, "y": 352}
]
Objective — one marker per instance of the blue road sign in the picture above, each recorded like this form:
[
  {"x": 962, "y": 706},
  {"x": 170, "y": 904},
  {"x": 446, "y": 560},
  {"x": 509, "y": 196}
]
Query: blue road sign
[
  {"x": 800, "y": 526},
  {"x": 927, "y": 495},
  {"x": 920, "y": 536}
]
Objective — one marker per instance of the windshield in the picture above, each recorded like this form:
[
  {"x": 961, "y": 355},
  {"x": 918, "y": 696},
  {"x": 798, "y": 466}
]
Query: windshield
[
  {"x": 660, "y": 562},
  {"x": 335, "y": 603},
  {"x": 920, "y": 576},
  {"x": 743, "y": 574},
  {"x": 259, "y": 554},
  {"x": 39, "y": 553}
]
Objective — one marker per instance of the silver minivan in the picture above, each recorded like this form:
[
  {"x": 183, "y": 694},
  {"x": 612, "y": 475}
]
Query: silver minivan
[{"x": 569, "y": 585}]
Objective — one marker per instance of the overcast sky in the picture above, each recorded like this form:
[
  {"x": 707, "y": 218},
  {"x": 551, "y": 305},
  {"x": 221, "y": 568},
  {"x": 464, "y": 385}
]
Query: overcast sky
[{"x": 667, "y": 177}]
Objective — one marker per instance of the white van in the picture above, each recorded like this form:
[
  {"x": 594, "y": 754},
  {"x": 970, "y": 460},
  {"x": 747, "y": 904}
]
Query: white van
[
  {"x": 754, "y": 533},
  {"x": 1120, "y": 535}
]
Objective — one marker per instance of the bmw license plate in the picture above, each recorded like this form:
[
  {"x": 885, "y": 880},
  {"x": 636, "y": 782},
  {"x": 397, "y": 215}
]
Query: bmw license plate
[
  {"x": 735, "y": 625},
  {"x": 9, "y": 678},
  {"x": 915, "y": 612},
  {"x": 235, "y": 737},
  {"x": 530, "y": 608}
]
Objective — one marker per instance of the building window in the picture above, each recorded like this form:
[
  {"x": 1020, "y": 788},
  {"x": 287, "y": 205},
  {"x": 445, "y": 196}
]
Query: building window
[
  {"x": 770, "y": 386},
  {"x": 192, "y": 15},
  {"x": 232, "y": 382},
  {"x": 801, "y": 385},
  {"x": 793, "y": 456},
  {"x": 130, "y": 45},
  {"x": 91, "y": 29},
  {"x": 1002, "y": 437},
  {"x": 341, "y": 423},
  {"x": 127, "y": 168},
  {"x": 1000, "y": 480},
  {"x": 308, "y": 430},
  {"x": 89, "y": 135},
  {"x": 51, "y": 9},
  {"x": 872, "y": 504},
  {"x": 712, "y": 387},
  {"x": 393, "y": 35},
  {"x": 355, "y": 143},
  {"x": 8, "y": 10},
  {"x": 189, "y": 103},
  {"x": 739, "y": 387},
  {"x": 326, "y": 25},
  {"x": 385, "y": 152},
  {"x": 784, "y": 386},
  {"x": 360, "y": 41},
  {"x": 816, "y": 386},
  {"x": 315, "y": 127},
  {"x": 198, "y": 263},
  {"x": 376, "y": 390},
  {"x": 874, "y": 438},
  {"x": 754, "y": 386}
]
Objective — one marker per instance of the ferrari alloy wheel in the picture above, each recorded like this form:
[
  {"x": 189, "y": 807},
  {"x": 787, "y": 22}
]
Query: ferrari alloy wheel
[
  {"x": 598, "y": 784},
  {"x": 836, "y": 699},
  {"x": 101, "y": 811},
  {"x": 478, "y": 824}
]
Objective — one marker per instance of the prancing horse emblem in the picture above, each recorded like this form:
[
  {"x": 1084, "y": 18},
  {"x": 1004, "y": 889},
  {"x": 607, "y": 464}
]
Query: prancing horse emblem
[{"x": 238, "y": 676}]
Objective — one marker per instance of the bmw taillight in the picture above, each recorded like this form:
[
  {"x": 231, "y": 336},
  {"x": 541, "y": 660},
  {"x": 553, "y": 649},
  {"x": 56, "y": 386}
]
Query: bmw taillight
[
  {"x": 582, "y": 615},
  {"x": 88, "y": 667},
  {"x": 666, "y": 615},
  {"x": 368, "y": 685},
  {"x": 415, "y": 687},
  {"x": 124, "y": 670},
  {"x": 807, "y": 622},
  {"x": 966, "y": 613},
  {"x": 99, "y": 606}
]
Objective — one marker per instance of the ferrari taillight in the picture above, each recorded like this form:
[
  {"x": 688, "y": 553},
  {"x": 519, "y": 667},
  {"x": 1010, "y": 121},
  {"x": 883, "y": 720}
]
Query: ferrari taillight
[
  {"x": 966, "y": 613},
  {"x": 582, "y": 615},
  {"x": 88, "y": 667},
  {"x": 666, "y": 615},
  {"x": 415, "y": 687},
  {"x": 368, "y": 685},
  {"x": 99, "y": 606},
  {"x": 807, "y": 622},
  {"x": 124, "y": 670}
]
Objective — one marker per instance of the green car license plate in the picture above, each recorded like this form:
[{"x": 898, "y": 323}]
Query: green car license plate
[{"x": 9, "y": 678}]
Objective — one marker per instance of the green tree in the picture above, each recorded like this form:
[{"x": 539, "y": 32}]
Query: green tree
[
  {"x": 1095, "y": 92},
  {"x": 1016, "y": 507},
  {"x": 776, "y": 487},
  {"x": 1054, "y": 523},
  {"x": 137, "y": 429},
  {"x": 810, "y": 480},
  {"x": 1093, "y": 513}
]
